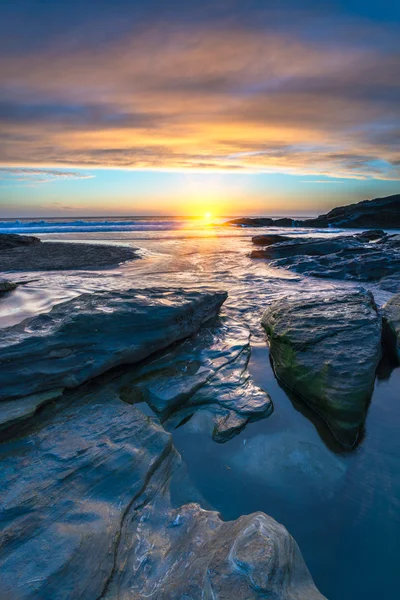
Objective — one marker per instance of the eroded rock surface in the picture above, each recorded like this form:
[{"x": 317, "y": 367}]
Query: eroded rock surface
[
  {"x": 82, "y": 338},
  {"x": 208, "y": 372},
  {"x": 368, "y": 256},
  {"x": 326, "y": 348},
  {"x": 91, "y": 508}
]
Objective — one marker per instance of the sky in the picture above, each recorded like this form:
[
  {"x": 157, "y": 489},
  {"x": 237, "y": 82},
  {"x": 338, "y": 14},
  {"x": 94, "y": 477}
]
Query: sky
[{"x": 175, "y": 107}]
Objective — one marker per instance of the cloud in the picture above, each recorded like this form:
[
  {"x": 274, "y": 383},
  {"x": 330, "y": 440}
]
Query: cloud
[
  {"x": 36, "y": 176},
  {"x": 201, "y": 96}
]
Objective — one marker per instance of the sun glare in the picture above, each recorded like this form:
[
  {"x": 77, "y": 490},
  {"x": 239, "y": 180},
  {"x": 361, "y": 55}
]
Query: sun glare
[{"x": 207, "y": 216}]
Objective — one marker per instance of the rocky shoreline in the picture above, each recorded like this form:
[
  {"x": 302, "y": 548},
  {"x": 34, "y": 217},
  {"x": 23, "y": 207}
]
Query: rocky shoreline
[{"x": 95, "y": 498}]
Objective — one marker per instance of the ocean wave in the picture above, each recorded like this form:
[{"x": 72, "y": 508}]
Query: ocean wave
[{"x": 29, "y": 227}]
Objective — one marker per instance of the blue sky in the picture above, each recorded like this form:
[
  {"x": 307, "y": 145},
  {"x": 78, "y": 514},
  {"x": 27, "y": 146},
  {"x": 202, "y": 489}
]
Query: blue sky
[{"x": 183, "y": 108}]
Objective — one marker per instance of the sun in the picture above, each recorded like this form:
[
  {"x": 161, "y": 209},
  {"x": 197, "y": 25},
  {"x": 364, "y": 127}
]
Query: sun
[{"x": 207, "y": 215}]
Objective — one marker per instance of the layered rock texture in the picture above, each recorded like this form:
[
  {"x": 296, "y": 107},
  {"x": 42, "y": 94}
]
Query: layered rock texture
[
  {"x": 368, "y": 256},
  {"x": 82, "y": 338},
  {"x": 326, "y": 348},
  {"x": 93, "y": 506},
  {"x": 208, "y": 372}
]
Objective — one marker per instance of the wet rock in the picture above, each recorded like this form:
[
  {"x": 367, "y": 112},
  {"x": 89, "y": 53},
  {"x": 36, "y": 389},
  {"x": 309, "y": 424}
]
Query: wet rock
[
  {"x": 6, "y": 286},
  {"x": 269, "y": 239},
  {"x": 391, "y": 283},
  {"x": 391, "y": 322},
  {"x": 209, "y": 371},
  {"x": 82, "y": 338},
  {"x": 12, "y": 240},
  {"x": 89, "y": 504},
  {"x": 61, "y": 256},
  {"x": 367, "y": 256},
  {"x": 252, "y": 557},
  {"x": 326, "y": 348},
  {"x": 18, "y": 411}
]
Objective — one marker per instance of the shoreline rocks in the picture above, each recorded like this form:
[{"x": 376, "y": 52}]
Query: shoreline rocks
[
  {"x": 6, "y": 286},
  {"x": 13, "y": 240},
  {"x": 96, "y": 504},
  {"x": 380, "y": 212},
  {"x": 326, "y": 348},
  {"x": 84, "y": 337},
  {"x": 62, "y": 256}
]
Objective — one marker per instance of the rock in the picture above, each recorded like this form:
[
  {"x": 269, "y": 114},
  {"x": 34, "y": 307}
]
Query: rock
[
  {"x": 84, "y": 337},
  {"x": 17, "y": 411},
  {"x": 209, "y": 371},
  {"x": 367, "y": 256},
  {"x": 12, "y": 240},
  {"x": 61, "y": 256},
  {"x": 6, "y": 286},
  {"x": 250, "y": 222},
  {"x": 269, "y": 239},
  {"x": 380, "y": 212},
  {"x": 326, "y": 348},
  {"x": 391, "y": 325},
  {"x": 391, "y": 283},
  {"x": 88, "y": 506}
]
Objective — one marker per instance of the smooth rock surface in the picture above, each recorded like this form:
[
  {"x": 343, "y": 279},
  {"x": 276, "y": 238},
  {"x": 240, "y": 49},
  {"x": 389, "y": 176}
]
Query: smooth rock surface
[
  {"x": 391, "y": 321},
  {"x": 84, "y": 337},
  {"x": 326, "y": 348},
  {"x": 90, "y": 505},
  {"x": 269, "y": 239}
]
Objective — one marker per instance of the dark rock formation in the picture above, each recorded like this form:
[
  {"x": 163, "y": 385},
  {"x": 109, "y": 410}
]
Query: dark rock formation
[
  {"x": 380, "y": 212},
  {"x": 391, "y": 325},
  {"x": 12, "y": 240},
  {"x": 6, "y": 286},
  {"x": 368, "y": 256},
  {"x": 326, "y": 348},
  {"x": 209, "y": 373},
  {"x": 269, "y": 239},
  {"x": 251, "y": 222},
  {"x": 60, "y": 256},
  {"x": 88, "y": 512},
  {"x": 82, "y": 338}
]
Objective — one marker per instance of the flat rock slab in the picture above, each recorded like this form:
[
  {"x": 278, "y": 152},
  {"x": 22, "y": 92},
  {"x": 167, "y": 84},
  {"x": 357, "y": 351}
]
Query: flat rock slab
[
  {"x": 84, "y": 337},
  {"x": 87, "y": 512},
  {"x": 326, "y": 348},
  {"x": 60, "y": 256},
  {"x": 12, "y": 240},
  {"x": 391, "y": 320}
]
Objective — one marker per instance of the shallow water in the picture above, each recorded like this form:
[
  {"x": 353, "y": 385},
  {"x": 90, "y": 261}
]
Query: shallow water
[{"x": 342, "y": 508}]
